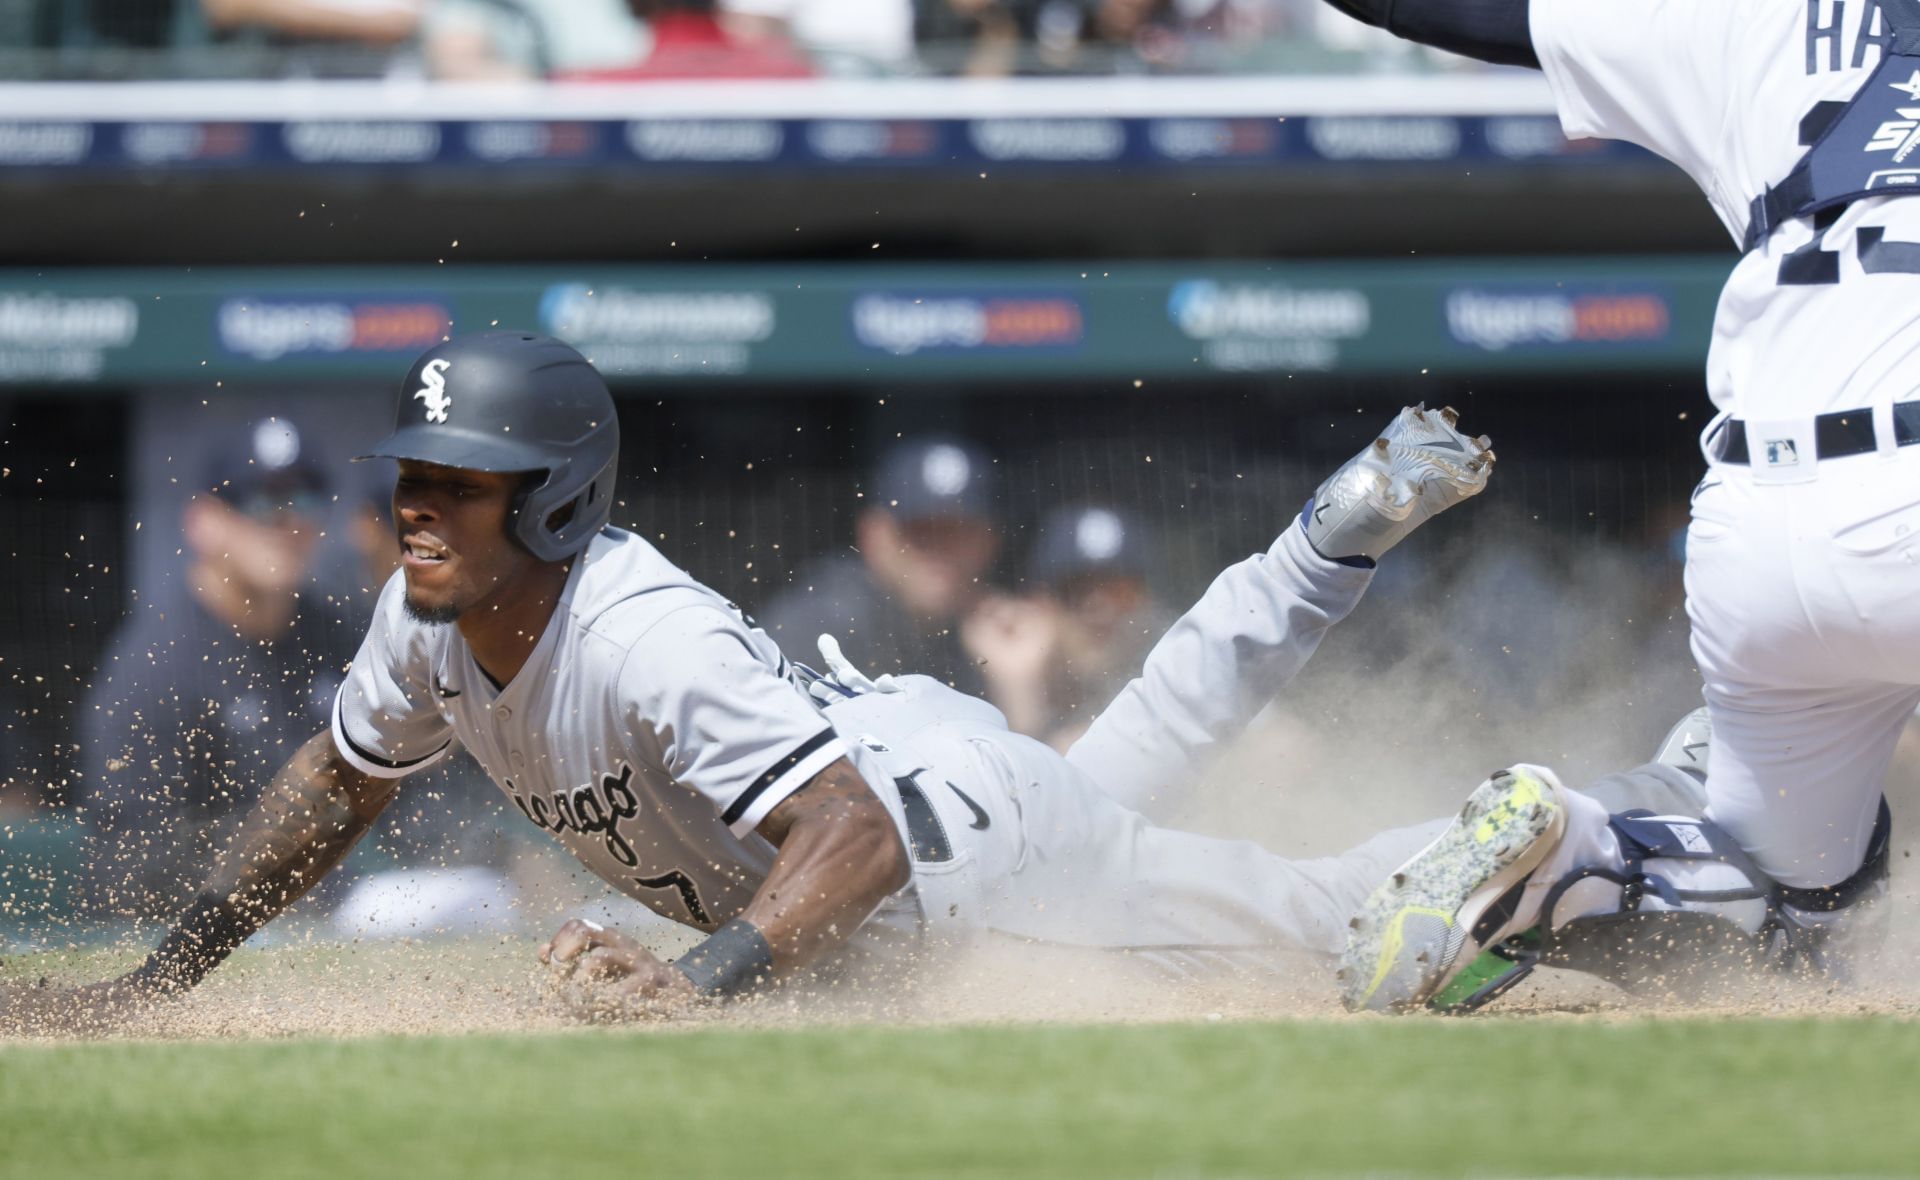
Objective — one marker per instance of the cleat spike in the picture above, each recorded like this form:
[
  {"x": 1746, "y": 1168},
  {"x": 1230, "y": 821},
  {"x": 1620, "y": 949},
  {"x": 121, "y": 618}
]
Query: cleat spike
[{"x": 1449, "y": 415}]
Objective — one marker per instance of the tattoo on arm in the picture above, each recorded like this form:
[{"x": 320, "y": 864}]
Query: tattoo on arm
[{"x": 312, "y": 813}]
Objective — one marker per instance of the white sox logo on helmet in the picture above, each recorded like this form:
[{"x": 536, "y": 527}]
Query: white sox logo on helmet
[{"x": 433, "y": 389}]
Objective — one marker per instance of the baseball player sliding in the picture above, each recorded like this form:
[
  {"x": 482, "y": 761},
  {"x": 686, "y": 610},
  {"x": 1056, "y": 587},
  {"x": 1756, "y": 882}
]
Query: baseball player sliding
[
  {"x": 642, "y": 721},
  {"x": 1797, "y": 119}
]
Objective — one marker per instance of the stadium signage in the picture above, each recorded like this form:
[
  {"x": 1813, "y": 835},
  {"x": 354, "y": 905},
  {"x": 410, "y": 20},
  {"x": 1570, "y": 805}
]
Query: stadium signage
[
  {"x": 843, "y": 140},
  {"x": 45, "y": 143},
  {"x": 1496, "y": 320},
  {"x": 269, "y": 329},
  {"x": 705, "y": 141},
  {"x": 50, "y": 337},
  {"x": 1244, "y": 326},
  {"x": 904, "y": 325},
  {"x": 1531, "y": 137},
  {"x": 900, "y": 323},
  {"x": 362, "y": 142},
  {"x": 1214, "y": 139},
  {"x": 627, "y": 331},
  {"x": 178, "y": 142},
  {"x": 1064, "y": 140},
  {"x": 531, "y": 139},
  {"x": 1387, "y": 138}
]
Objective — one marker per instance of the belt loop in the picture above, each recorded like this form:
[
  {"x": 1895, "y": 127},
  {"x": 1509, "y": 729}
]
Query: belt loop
[
  {"x": 1709, "y": 432},
  {"x": 1885, "y": 439}
]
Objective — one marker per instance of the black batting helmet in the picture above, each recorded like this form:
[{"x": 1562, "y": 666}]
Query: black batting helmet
[{"x": 515, "y": 401}]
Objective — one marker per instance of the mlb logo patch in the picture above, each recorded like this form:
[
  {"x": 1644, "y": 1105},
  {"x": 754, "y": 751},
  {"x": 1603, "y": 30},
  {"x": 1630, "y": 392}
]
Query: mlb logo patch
[
  {"x": 1691, "y": 837},
  {"x": 1781, "y": 452}
]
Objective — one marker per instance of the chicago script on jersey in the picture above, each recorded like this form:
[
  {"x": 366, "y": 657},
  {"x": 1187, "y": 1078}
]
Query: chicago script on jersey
[{"x": 587, "y": 811}]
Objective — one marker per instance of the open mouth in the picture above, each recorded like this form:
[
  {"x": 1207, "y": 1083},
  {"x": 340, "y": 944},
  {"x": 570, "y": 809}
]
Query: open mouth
[{"x": 423, "y": 549}]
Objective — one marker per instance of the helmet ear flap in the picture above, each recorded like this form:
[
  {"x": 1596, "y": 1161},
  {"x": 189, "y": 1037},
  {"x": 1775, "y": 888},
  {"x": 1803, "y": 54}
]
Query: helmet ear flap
[
  {"x": 522, "y": 526},
  {"x": 591, "y": 505}
]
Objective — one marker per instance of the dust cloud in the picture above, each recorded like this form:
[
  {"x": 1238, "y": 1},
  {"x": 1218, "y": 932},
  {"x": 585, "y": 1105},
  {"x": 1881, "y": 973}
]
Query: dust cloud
[{"x": 1473, "y": 658}]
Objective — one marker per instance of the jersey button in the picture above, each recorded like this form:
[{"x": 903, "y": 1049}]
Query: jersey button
[
  {"x": 502, "y": 712},
  {"x": 518, "y": 762}
]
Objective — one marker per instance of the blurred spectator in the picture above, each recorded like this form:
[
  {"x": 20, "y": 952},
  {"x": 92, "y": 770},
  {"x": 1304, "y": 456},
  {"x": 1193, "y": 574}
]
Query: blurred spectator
[
  {"x": 1052, "y": 659},
  {"x": 218, "y": 675},
  {"x": 987, "y": 35},
  {"x": 845, "y": 36},
  {"x": 687, "y": 40},
  {"x": 371, "y": 22},
  {"x": 926, "y": 541},
  {"x": 507, "y": 40}
]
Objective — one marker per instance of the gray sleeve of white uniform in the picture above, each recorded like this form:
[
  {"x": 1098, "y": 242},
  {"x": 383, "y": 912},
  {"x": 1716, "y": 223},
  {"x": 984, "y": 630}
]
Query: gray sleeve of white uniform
[
  {"x": 1252, "y": 631},
  {"x": 709, "y": 695},
  {"x": 385, "y": 721}
]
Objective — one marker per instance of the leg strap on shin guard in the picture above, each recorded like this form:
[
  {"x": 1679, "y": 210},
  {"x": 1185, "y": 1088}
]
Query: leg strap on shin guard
[
  {"x": 1641, "y": 943},
  {"x": 1677, "y": 941}
]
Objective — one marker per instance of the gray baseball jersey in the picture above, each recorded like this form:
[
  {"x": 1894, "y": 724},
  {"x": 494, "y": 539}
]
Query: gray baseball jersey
[{"x": 650, "y": 732}]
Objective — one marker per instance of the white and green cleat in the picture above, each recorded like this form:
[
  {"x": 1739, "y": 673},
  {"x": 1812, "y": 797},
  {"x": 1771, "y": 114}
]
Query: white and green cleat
[{"x": 1460, "y": 896}]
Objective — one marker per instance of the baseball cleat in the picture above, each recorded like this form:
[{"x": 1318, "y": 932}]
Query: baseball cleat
[
  {"x": 1458, "y": 897},
  {"x": 1419, "y": 466}
]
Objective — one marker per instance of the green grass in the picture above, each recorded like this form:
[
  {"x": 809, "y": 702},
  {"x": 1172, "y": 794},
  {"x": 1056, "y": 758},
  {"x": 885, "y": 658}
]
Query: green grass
[{"x": 1413, "y": 1097}]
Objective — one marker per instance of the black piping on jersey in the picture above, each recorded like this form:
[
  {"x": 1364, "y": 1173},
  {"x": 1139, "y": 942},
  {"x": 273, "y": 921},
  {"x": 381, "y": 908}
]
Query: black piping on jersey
[
  {"x": 740, "y": 805},
  {"x": 405, "y": 764}
]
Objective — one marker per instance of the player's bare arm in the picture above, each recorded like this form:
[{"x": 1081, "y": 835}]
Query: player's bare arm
[
  {"x": 840, "y": 857},
  {"x": 308, "y": 818}
]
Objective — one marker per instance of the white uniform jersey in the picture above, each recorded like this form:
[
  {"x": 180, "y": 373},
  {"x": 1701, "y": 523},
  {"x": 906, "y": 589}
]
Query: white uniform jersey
[
  {"x": 650, "y": 732},
  {"x": 1720, "y": 88}
]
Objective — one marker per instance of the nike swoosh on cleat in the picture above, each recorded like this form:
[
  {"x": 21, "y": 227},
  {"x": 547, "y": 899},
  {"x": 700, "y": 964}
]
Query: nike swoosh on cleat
[
  {"x": 1446, "y": 444},
  {"x": 980, "y": 821}
]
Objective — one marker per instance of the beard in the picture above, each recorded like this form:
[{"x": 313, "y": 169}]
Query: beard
[{"x": 433, "y": 616}]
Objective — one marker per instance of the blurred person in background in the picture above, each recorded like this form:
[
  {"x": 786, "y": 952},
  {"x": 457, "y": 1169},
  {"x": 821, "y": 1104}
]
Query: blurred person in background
[
  {"x": 369, "y": 22},
  {"x": 296, "y": 37},
  {"x": 523, "y": 40},
  {"x": 686, "y": 39},
  {"x": 1053, "y": 658},
  {"x": 843, "y": 36},
  {"x": 977, "y": 38},
  {"x": 926, "y": 542},
  {"x": 217, "y": 676}
]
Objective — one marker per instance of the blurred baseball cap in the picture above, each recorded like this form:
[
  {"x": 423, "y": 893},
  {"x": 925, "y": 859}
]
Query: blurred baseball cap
[
  {"x": 266, "y": 467},
  {"x": 1089, "y": 539},
  {"x": 922, "y": 478}
]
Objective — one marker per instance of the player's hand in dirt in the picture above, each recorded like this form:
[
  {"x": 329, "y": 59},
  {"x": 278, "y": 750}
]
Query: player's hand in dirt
[{"x": 612, "y": 975}]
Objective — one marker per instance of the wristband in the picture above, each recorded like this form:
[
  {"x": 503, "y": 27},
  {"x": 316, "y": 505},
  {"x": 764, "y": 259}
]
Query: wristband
[
  {"x": 732, "y": 961},
  {"x": 200, "y": 940}
]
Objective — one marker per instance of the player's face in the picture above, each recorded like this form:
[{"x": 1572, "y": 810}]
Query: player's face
[
  {"x": 932, "y": 566},
  {"x": 452, "y": 529}
]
